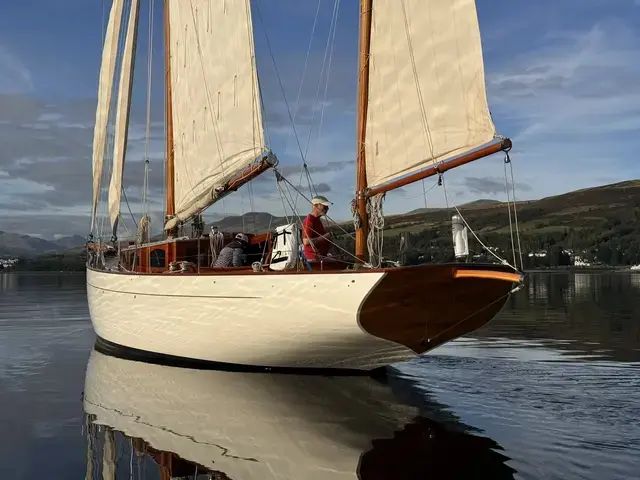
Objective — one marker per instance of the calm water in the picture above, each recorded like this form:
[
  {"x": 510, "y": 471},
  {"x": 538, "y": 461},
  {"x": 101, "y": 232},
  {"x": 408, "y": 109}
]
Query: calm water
[{"x": 548, "y": 390}]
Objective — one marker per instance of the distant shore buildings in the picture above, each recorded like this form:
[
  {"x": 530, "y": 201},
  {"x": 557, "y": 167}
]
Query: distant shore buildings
[{"x": 7, "y": 263}]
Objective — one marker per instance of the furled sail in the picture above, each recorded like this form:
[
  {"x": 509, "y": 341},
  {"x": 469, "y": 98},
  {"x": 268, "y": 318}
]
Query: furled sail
[
  {"x": 122, "y": 115},
  {"x": 216, "y": 113},
  {"x": 427, "y": 97},
  {"x": 105, "y": 90}
]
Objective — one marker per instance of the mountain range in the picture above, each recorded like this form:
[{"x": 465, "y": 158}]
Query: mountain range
[{"x": 16, "y": 245}]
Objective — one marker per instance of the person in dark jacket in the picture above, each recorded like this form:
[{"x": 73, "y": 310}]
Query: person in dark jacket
[{"x": 233, "y": 254}]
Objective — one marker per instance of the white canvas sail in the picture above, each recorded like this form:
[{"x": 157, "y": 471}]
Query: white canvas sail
[
  {"x": 122, "y": 115},
  {"x": 105, "y": 90},
  {"x": 216, "y": 114},
  {"x": 427, "y": 98}
]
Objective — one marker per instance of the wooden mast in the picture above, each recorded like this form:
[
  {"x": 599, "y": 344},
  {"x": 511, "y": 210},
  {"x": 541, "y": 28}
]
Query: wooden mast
[
  {"x": 363, "y": 99},
  {"x": 169, "y": 166}
]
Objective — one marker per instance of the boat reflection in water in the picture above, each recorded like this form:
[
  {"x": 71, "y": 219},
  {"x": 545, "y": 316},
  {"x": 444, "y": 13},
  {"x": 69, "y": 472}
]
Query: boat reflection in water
[{"x": 153, "y": 421}]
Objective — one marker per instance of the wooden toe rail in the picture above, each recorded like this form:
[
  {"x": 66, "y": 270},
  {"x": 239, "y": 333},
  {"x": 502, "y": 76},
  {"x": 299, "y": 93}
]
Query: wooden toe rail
[{"x": 488, "y": 274}]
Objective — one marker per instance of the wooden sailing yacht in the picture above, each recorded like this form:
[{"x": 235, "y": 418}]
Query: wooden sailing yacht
[{"x": 422, "y": 110}]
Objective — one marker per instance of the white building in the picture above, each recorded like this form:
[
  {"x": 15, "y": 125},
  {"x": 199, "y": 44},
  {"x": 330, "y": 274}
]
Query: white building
[{"x": 8, "y": 262}]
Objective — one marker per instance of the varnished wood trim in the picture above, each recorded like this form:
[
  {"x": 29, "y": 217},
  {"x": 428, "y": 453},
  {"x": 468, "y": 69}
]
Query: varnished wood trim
[
  {"x": 427, "y": 306},
  {"x": 262, "y": 237},
  {"x": 489, "y": 274}
]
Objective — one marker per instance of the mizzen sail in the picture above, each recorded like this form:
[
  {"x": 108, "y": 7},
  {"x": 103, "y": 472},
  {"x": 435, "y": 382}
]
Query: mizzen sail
[
  {"x": 105, "y": 90},
  {"x": 122, "y": 115},
  {"x": 216, "y": 112},
  {"x": 427, "y": 97}
]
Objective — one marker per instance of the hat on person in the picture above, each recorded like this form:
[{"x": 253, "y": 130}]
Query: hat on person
[
  {"x": 242, "y": 237},
  {"x": 319, "y": 199}
]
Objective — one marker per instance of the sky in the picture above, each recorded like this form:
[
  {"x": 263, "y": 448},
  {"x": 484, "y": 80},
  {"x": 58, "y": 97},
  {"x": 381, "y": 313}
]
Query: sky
[{"x": 562, "y": 76}]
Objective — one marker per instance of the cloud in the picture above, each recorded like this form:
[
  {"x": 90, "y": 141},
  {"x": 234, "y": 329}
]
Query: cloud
[
  {"x": 573, "y": 98},
  {"x": 491, "y": 185},
  {"x": 332, "y": 166},
  {"x": 322, "y": 188},
  {"x": 571, "y": 106},
  {"x": 15, "y": 77},
  {"x": 46, "y": 161}
]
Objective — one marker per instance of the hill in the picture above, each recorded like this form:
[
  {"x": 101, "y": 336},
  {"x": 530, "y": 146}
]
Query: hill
[
  {"x": 483, "y": 202},
  {"x": 12, "y": 244},
  {"x": 252, "y": 222},
  {"x": 73, "y": 241},
  {"x": 16, "y": 245}
]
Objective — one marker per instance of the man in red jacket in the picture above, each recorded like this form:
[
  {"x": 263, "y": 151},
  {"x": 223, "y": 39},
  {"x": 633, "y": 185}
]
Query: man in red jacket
[{"x": 315, "y": 239}]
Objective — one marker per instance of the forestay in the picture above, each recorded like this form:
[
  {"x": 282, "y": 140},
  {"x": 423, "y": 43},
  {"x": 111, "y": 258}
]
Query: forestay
[
  {"x": 427, "y": 97},
  {"x": 216, "y": 114},
  {"x": 122, "y": 115},
  {"x": 105, "y": 90}
]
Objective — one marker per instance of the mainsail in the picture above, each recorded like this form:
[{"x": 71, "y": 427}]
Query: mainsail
[
  {"x": 215, "y": 103},
  {"x": 122, "y": 116},
  {"x": 427, "y": 98},
  {"x": 105, "y": 90}
]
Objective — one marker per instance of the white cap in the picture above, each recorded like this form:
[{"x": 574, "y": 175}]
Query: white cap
[{"x": 319, "y": 199}]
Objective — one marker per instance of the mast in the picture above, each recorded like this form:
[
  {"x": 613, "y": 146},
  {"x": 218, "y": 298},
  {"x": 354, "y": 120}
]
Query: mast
[
  {"x": 363, "y": 99},
  {"x": 169, "y": 166}
]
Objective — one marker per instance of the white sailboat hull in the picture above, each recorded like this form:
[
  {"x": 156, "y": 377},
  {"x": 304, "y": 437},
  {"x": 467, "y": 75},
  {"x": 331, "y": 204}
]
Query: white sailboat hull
[{"x": 284, "y": 320}]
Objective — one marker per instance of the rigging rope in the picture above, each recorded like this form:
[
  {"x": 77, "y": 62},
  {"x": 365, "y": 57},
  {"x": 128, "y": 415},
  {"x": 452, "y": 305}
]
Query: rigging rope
[
  {"x": 328, "y": 51},
  {"x": 506, "y": 184},
  {"x": 133, "y": 218},
  {"x": 145, "y": 186},
  {"x": 304, "y": 71},
  {"x": 500, "y": 259},
  {"x": 330, "y": 41},
  {"x": 142, "y": 233},
  {"x": 275, "y": 66},
  {"x": 375, "y": 238},
  {"x": 283, "y": 178},
  {"x": 334, "y": 23},
  {"x": 507, "y": 159},
  {"x": 280, "y": 178},
  {"x": 216, "y": 242}
]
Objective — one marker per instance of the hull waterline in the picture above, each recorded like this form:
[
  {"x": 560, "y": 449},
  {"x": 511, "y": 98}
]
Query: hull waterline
[{"x": 348, "y": 320}]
